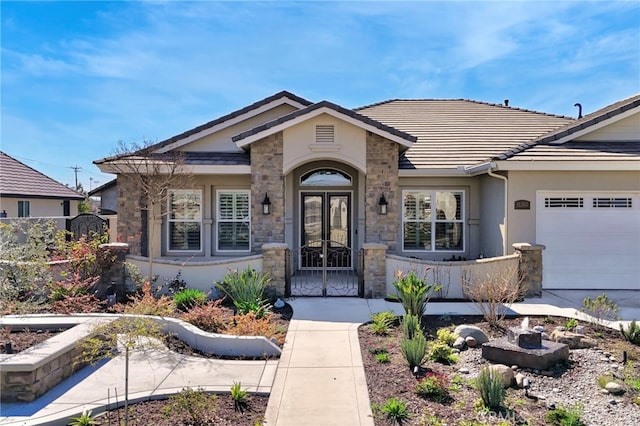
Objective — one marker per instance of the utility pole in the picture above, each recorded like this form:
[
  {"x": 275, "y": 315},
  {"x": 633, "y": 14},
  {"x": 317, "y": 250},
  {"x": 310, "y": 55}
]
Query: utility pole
[{"x": 76, "y": 169}]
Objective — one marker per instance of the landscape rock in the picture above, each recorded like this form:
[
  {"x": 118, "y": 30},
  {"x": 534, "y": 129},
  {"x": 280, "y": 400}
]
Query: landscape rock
[
  {"x": 573, "y": 340},
  {"x": 520, "y": 380},
  {"x": 466, "y": 330},
  {"x": 471, "y": 341},
  {"x": 459, "y": 343},
  {"x": 614, "y": 388},
  {"x": 505, "y": 372}
]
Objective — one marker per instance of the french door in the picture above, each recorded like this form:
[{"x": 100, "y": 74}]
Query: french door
[{"x": 326, "y": 230}]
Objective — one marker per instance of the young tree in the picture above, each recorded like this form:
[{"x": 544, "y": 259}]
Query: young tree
[
  {"x": 129, "y": 333},
  {"x": 153, "y": 174}
]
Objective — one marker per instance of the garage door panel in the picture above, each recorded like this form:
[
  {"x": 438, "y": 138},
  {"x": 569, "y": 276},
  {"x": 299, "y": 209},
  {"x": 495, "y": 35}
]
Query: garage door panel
[{"x": 589, "y": 247}]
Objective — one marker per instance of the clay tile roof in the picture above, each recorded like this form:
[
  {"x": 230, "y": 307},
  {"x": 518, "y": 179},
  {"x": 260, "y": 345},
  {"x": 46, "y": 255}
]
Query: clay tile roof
[
  {"x": 19, "y": 180},
  {"x": 460, "y": 132}
]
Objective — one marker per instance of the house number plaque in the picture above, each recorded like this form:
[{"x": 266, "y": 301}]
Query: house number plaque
[{"x": 522, "y": 205}]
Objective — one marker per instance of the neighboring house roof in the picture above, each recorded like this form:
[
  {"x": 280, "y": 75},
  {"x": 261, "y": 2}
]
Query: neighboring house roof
[
  {"x": 273, "y": 126},
  {"x": 460, "y": 132},
  {"x": 19, "y": 180},
  {"x": 559, "y": 144},
  {"x": 103, "y": 187}
]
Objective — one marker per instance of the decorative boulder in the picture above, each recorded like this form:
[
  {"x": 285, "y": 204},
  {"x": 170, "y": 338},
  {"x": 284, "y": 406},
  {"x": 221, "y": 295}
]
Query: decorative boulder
[
  {"x": 504, "y": 372},
  {"x": 614, "y": 388},
  {"x": 466, "y": 330},
  {"x": 573, "y": 340},
  {"x": 459, "y": 343},
  {"x": 471, "y": 341}
]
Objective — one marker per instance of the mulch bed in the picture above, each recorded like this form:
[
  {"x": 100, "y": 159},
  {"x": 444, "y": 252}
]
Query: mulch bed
[
  {"x": 23, "y": 339},
  {"x": 393, "y": 379}
]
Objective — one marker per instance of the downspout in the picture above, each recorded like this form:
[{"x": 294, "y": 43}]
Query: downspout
[{"x": 506, "y": 205}]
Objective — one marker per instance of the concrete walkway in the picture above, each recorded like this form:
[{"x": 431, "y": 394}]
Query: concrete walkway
[{"x": 153, "y": 374}]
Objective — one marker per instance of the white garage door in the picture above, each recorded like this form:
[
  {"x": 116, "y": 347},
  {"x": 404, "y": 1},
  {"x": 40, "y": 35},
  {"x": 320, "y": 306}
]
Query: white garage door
[{"x": 592, "y": 240}]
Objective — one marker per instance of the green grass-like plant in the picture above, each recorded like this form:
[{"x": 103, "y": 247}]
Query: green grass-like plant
[
  {"x": 571, "y": 323},
  {"x": 413, "y": 292},
  {"x": 239, "y": 396},
  {"x": 85, "y": 419},
  {"x": 631, "y": 333},
  {"x": 565, "y": 416},
  {"x": 410, "y": 326},
  {"x": 491, "y": 389},
  {"x": 246, "y": 291},
  {"x": 189, "y": 298},
  {"x": 382, "y": 322},
  {"x": 414, "y": 350},
  {"x": 442, "y": 353},
  {"x": 395, "y": 410}
]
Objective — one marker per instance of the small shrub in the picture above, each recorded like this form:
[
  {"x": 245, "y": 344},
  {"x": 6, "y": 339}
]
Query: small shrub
[
  {"x": 442, "y": 353},
  {"x": 410, "y": 326},
  {"x": 250, "y": 325},
  {"x": 146, "y": 303},
  {"x": 382, "y": 321},
  {"x": 491, "y": 389},
  {"x": 631, "y": 333},
  {"x": 192, "y": 405},
  {"x": 569, "y": 416},
  {"x": 433, "y": 386},
  {"x": 208, "y": 317},
  {"x": 413, "y": 292},
  {"x": 395, "y": 410},
  {"x": 73, "y": 294},
  {"x": 189, "y": 298},
  {"x": 177, "y": 284},
  {"x": 246, "y": 291},
  {"x": 494, "y": 292},
  {"x": 383, "y": 358},
  {"x": 85, "y": 419},
  {"x": 446, "y": 336},
  {"x": 414, "y": 350},
  {"x": 601, "y": 308},
  {"x": 239, "y": 396},
  {"x": 571, "y": 323}
]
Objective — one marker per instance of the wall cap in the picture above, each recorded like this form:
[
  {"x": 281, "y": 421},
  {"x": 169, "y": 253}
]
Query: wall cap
[
  {"x": 528, "y": 247},
  {"x": 274, "y": 246}
]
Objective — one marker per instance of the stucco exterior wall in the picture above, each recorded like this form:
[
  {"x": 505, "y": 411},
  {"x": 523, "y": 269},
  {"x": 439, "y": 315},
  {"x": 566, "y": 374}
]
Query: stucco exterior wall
[
  {"x": 492, "y": 223},
  {"x": 523, "y": 186},
  {"x": 220, "y": 141},
  {"x": 349, "y": 145},
  {"x": 38, "y": 207}
]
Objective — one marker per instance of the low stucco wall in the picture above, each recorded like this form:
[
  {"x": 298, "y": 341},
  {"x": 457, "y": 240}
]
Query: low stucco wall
[
  {"x": 196, "y": 273},
  {"x": 450, "y": 275}
]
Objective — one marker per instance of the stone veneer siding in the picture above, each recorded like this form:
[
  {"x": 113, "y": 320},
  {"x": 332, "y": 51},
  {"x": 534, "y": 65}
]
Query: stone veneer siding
[
  {"x": 530, "y": 267},
  {"x": 129, "y": 215},
  {"x": 375, "y": 270},
  {"x": 274, "y": 263},
  {"x": 266, "y": 178},
  {"x": 382, "y": 178}
]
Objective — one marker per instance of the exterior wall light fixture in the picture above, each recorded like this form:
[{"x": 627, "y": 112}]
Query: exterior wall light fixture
[
  {"x": 266, "y": 205},
  {"x": 382, "y": 205}
]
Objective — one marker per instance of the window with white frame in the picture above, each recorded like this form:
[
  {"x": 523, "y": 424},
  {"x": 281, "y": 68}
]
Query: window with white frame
[
  {"x": 185, "y": 220},
  {"x": 24, "y": 208},
  {"x": 432, "y": 220},
  {"x": 233, "y": 220}
]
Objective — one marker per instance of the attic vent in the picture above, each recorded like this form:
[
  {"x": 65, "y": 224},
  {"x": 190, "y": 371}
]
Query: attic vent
[
  {"x": 624, "y": 203},
  {"x": 563, "y": 202},
  {"x": 325, "y": 133}
]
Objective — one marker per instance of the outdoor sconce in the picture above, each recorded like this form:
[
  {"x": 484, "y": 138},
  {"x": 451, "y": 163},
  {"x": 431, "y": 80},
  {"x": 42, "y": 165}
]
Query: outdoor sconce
[
  {"x": 382, "y": 205},
  {"x": 266, "y": 205}
]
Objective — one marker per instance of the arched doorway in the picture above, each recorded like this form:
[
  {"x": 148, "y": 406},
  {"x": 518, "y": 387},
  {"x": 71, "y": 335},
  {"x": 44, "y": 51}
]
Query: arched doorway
[{"x": 325, "y": 261}]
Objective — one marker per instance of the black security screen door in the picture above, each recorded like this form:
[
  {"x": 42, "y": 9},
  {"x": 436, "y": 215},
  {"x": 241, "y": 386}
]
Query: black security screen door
[{"x": 326, "y": 219}]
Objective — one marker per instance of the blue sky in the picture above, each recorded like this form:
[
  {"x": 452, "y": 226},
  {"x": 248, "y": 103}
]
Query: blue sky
[{"x": 77, "y": 77}]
